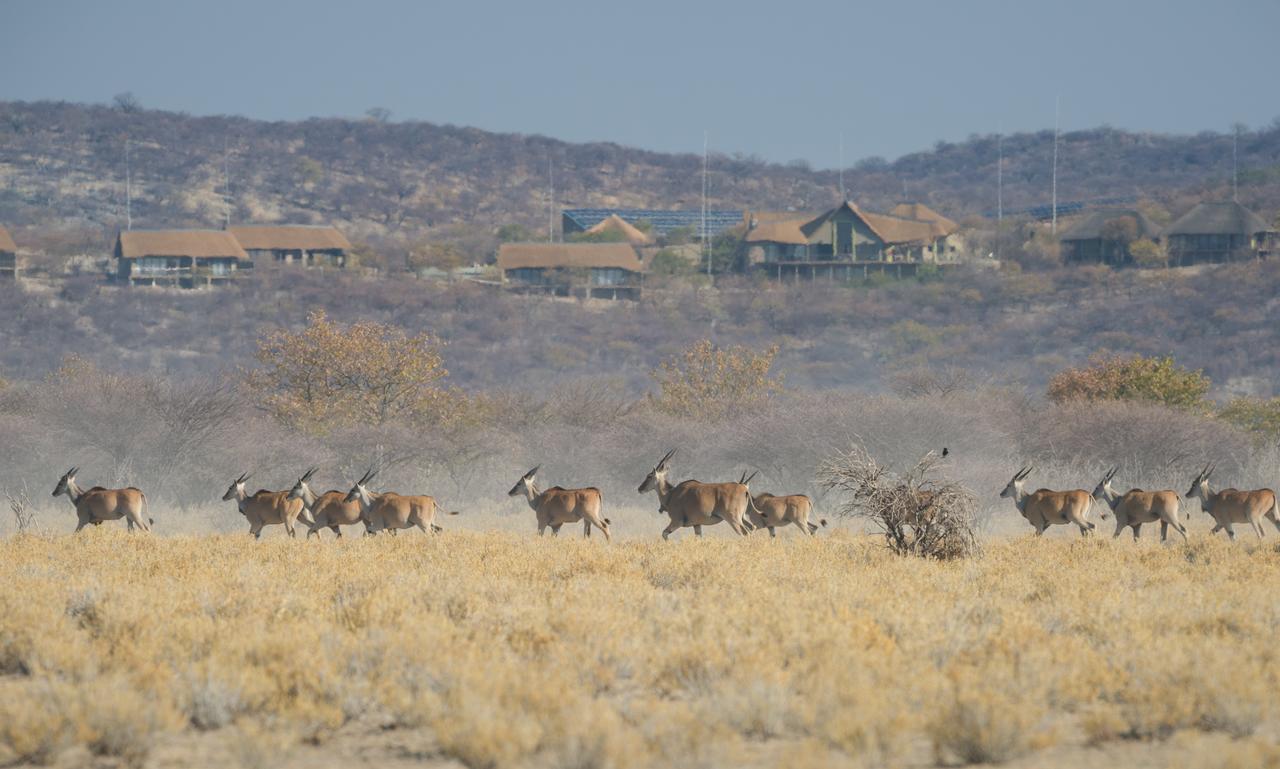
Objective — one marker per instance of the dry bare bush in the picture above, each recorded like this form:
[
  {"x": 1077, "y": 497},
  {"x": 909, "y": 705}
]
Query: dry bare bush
[
  {"x": 23, "y": 513},
  {"x": 918, "y": 515}
]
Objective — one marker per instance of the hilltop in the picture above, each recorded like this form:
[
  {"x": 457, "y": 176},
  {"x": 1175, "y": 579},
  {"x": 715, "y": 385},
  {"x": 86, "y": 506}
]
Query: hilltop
[{"x": 63, "y": 169}]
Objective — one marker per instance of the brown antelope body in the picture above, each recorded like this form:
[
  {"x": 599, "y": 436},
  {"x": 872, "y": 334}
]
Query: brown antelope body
[
  {"x": 266, "y": 508},
  {"x": 1231, "y": 506},
  {"x": 557, "y": 506},
  {"x": 393, "y": 511},
  {"x": 95, "y": 505},
  {"x": 771, "y": 512},
  {"x": 697, "y": 504},
  {"x": 1136, "y": 507},
  {"x": 328, "y": 510},
  {"x": 1044, "y": 508}
]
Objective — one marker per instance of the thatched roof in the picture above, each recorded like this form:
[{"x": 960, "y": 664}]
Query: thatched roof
[
  {"x": 921, "y": 212},
  {"x": 201, "y": 244},
  {"x": 6, "y": 242},
  {"x": 615, "y": 223},
  {"x": 513, "y": 256},
  {"x": 778, "y": 231},
  {"x": 894, "y": 230},
  {"x": 1092, "y": 224},
  {"x": 760, "y": 217},
  {"x": 1220, "y": 218},
  {"x": 290, "y": 237}
]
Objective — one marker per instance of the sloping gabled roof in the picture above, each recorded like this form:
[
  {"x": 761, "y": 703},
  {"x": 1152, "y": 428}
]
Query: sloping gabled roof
[
  {"x": 513, "y": 256},
  {"x": 1092, "y": 224},
  {"x": 6, "y": 242},
  {"x": 893, "y": 229},
  {"x": 921, "y": 212},
  {"x": 204, "y": 244},
  {"x": 615, "y": 223},
  {"x": 778, "y": 231},
  {"x": 889, "y": 229},
  {"x": 290, "y": 237},
  {"x": 1218, "y": 218}
]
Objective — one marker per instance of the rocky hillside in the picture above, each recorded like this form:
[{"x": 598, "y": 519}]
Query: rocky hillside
[{"x": 62, "y": 168}]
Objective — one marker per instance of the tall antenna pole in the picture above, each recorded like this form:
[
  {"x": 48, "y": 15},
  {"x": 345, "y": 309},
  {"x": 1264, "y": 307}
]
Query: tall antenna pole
[
  {"x": 1235, "y": 163},
  {"x": 843, "y": 196},
  {"x": 128, "y": 189},
  {"x": 999, "y": 186},
  {"x": 551, "y": 202},
  {"x": 226, "y": 184},
  {"x": 1057, "y": 114},
  {"x": 705, "y": 250}
]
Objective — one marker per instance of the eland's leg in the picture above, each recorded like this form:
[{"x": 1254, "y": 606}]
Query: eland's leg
[{"x": 671, "y": 527}]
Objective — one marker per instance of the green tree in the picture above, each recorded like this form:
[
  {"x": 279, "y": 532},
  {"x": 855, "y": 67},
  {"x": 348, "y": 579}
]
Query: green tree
[
  {"x": 1154, "y": 380},
  {"x": 668, "y": 263},
  {"x": 678, "y": 236},
  {"x": 514, "y": 233},
  {"x": 709, "y": 382},
  {"x": 1148, "y": 253},
  {"x": 1255, "y": 415}
]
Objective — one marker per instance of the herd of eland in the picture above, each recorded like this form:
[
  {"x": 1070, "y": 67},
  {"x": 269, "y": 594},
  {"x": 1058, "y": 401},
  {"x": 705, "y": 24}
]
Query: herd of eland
[{"x": 687, "y": 504}]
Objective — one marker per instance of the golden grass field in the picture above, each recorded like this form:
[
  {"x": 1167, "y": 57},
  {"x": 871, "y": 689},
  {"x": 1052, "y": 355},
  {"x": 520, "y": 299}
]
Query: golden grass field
[{"x": 497, "y": 649}]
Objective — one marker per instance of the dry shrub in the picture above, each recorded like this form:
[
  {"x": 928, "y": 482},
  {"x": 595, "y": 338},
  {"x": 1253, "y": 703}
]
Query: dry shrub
[
  {"x": 34, "y": 722},
  {"x": 918, "y": 515}
]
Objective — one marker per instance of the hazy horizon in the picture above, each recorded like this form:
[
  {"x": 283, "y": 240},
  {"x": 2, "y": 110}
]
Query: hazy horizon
[{"x": 591, "y": 73}]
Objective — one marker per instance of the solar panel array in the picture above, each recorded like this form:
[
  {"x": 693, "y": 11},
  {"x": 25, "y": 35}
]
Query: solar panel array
[
  {"x": 1045, "y": 212},
  {"x": 582, "y": 219}
]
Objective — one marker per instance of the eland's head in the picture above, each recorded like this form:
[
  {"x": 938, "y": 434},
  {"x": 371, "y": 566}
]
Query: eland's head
[
  {"x": 300, "y": 489},
  {"x": 64, "y": 483},
  {"x": 236, "y": 489},
  {"x": 360, "y": 490},
  {"x": 658, "y": 474},
  {"x": 525, "y": 484},
  {"x": 1015, "y": 483},
  {"x": 1200, "y": 486},
  {"x": 1104, "y": 489}
]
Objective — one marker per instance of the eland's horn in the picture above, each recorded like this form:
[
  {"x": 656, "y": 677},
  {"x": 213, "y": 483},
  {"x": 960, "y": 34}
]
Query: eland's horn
[
  {"x": 533, "y": 472},
  {"x": 307, "y": 475},
  {"x": 747, "y": 478}
]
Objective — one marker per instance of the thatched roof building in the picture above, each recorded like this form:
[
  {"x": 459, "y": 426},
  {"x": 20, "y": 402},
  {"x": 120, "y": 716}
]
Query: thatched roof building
[
  {"x": 192, "y": 244},
  {"x": 621, "y": 227},
  {"x": 1218, "y": 232},
  {"x": 290, "y": 237}
]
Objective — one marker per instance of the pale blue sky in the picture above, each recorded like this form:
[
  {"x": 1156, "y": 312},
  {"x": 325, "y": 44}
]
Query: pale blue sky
[{"x": 781, "y": 80}]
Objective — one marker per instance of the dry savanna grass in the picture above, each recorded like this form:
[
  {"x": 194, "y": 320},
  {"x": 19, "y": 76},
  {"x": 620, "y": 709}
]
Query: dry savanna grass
[{"x": 496, "y": 650}]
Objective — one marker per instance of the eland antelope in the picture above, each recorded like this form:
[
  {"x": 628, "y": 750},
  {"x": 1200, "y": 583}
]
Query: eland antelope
[
  {"x": 1136, "y": 507},
  {"x": 393, "y": 511},
  {"x": 328, "y": 510},
  {"x": 771, "y": 512},
  {"x": 557, "y": 506},
  {"x": 266, "y": 508},
  {"x": 1044, "y": 508},
  {"x": 1231, "y": 506},
  {"x": 97, "y": 504},
  {"x": 697, "y": 504}
]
